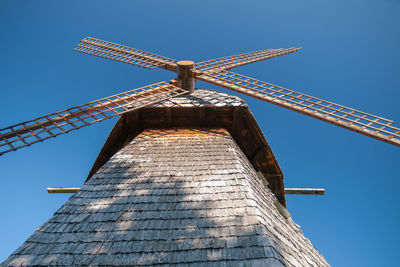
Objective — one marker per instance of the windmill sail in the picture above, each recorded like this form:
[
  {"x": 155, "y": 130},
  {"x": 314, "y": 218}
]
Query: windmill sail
[
  {"x": 45, "y": 127},
  {"x": 140, "y": 58},
  {"x": 125, "y": 54},
  {"x": 352, "y": 119},
  {"x": 227, "y": 63}
]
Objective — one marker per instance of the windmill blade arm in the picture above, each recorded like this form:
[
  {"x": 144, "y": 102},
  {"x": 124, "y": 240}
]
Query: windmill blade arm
[
  {"x": 352, "y": 119},
  {"x": 45, "y": 127},
  {"x": 227, "y": 63},
  {"x": 125, "y": 54}
]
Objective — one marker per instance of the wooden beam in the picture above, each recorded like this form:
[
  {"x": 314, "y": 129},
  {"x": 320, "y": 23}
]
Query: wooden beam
[
  {"x": 282, "y": 210},
  {"x": 168, "y": 117},
  {"x": 289, "y": 191},
  {"x": 236, "y": 122},
  {"x": 304, "y": 191},
  {"x": 263, "y": 179},
  {"x": 62, "y": 189}
]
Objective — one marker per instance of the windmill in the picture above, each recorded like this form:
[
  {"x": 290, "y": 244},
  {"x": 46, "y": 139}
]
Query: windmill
[{"x": 216, "y": 72}]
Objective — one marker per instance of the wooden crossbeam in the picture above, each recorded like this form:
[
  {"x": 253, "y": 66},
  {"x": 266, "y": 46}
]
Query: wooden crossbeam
[
  {"x": 304, "y": 191},
  {"x": 291, "y": 191},
  {"x": 62, "y": 189}
]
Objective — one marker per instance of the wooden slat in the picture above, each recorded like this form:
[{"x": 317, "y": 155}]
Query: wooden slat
[
  {"x": 304, "y": 191},
  {"x": 125, "y": 54},
  {"x": 229, "y": 62},
  {"x": 62, "y": 189}
]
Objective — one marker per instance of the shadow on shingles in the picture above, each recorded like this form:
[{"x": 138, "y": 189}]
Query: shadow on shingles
[
  {"x": 204, "y": 97},
  {"x": 147, "y": 206}
]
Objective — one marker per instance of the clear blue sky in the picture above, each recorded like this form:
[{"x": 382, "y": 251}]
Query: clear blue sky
[{"x": 350, "y": 56}]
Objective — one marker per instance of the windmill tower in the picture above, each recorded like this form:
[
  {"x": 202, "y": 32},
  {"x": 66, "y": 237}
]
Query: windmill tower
[{"x": 185, "y": 177}]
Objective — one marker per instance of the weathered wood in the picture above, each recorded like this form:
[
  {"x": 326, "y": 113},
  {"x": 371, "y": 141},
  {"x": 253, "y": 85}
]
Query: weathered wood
[
  {"x": 304, "y": 191},
  {"x": 263, "y": 179},
  {"x": 282, "y": 210},
  {"x": 185, "y": 76},
  {"x": 289, "y": 191},
  {"x": 275, "y": 184},
  {"x": 62, "y": 189},
  {"x": 233, "y": 118}
]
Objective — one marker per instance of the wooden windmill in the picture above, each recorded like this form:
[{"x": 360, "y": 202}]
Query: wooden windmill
[{"x": 183, "y": 176}]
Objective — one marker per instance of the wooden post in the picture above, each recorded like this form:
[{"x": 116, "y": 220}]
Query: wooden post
[{"x": 185, "y": 76}]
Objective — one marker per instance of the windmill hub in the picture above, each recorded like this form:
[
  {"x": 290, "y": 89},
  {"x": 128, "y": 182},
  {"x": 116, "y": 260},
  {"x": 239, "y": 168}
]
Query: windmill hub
[
  {"x": 185, "y": 75},
  {"x": 186, "y": 63}
]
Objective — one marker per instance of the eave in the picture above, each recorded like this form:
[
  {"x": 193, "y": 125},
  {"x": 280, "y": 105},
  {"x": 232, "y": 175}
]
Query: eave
[{"x": 238, "y": 120}]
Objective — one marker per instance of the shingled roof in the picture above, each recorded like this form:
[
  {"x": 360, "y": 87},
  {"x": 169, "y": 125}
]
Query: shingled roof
[{"x": 177, "y": 196}]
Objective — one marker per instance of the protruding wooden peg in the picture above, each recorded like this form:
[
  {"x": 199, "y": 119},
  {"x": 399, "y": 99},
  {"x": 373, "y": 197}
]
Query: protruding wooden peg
[
  {"x": 305, "y": 191},
  {"x": 62, "y": 189}
]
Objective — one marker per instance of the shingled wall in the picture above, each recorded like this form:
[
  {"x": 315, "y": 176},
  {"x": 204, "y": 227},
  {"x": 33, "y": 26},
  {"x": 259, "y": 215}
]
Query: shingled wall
[{"x": 171, "y": 197}]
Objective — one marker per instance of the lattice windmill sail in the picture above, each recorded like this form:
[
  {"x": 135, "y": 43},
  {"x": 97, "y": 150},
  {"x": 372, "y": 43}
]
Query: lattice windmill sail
[{"x": 216, "y": 71}]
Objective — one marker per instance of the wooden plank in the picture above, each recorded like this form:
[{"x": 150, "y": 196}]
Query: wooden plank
[
  {"x": 305, "y": 191},
  {"x": 282, "y": 210},
  {"x": 62, "y": 189}
]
